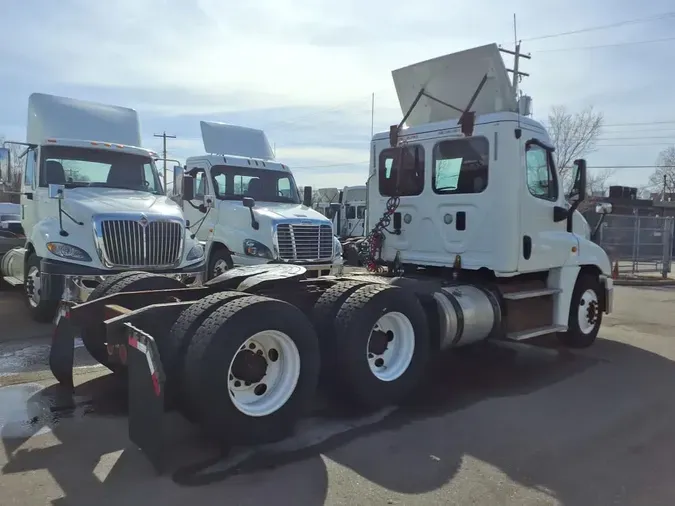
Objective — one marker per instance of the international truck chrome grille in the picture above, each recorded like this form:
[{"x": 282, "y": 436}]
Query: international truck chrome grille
[
  {"x": 139, "y": 242},
  {"x": 305, "y": 242}
]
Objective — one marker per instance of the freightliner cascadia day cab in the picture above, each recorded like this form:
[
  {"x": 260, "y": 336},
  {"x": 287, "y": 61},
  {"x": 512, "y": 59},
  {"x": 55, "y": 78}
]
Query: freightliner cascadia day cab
[
  {"x": 471, "y": 236},
  {"x": 92, "y": 205},
  {"x": 248, "y": 210}
]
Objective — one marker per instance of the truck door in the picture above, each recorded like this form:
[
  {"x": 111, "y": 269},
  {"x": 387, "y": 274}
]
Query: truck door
[
  {"x": 191, "y": 209},
  {"x": 29, "y": 194},
  {"x": 544, "y": 240}
]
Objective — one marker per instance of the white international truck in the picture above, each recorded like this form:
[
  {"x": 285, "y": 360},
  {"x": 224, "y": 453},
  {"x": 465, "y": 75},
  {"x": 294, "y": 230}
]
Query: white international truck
[
  {"x": 247, "y": 208},
  {"x": 471, "y": 237},
  {"x": 91, "y": 206}
]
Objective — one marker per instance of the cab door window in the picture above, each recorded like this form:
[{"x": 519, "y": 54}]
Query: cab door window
[
  {"x": 542, "y": 181},
  {"x": 29, "y": 171}
]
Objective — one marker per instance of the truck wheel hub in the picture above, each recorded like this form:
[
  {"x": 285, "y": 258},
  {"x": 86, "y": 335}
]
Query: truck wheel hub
[
  {"x": 391, "y": 346},
  {"x": 249, "y": 367},
  {"x": 589, "y": 311},
  {"x": 264, "y": 372}
]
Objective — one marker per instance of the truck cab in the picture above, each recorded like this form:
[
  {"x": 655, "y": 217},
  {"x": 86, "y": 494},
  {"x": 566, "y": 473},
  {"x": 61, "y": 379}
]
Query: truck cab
[
  {"x": 476, "y": 190},
  {"x": 92, "y": 205},
  {"x": 354, "y": 211},
  {"x": 247, "y": 209}
]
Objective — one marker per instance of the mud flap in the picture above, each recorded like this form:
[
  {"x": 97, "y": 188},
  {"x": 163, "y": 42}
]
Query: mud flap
[
  {"x": 62, "y": 350},
  {"x": 146, "y": 396}
]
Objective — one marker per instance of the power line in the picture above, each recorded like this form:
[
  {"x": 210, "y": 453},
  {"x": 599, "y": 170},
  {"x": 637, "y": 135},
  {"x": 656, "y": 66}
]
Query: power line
[
  {"x": 656, "y": 17},
  {"x": 600, "y": 46}
]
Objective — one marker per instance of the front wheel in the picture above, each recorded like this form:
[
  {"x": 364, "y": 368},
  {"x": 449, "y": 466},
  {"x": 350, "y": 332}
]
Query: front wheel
[
  {"x": 585, "y": 315},
  {"x": 220, "y": 261},
  {"x": 41, "y": 305}
]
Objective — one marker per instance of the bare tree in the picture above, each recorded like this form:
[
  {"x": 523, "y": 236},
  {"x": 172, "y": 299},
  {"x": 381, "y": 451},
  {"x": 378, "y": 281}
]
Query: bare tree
[
  {"x": 573, "y": 135},
  {"x": 10, "y": 191},
  {"x": 663, "y": 177}
]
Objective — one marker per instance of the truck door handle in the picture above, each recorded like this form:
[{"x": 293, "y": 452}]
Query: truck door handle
[{"x": 29, "y": 195}]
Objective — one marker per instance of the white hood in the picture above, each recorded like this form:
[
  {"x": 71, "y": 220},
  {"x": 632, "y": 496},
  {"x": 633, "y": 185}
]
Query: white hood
[
  {"x": 281, "y": 211},
  {"x": 86, "y": 202}
]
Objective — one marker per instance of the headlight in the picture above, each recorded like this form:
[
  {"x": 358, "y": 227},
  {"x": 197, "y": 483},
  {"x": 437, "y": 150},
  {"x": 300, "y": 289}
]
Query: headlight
[
  {"x": 337, "y": 247},
  {"x": 68, "y": 251},
  {"x": 195, "y": 253},
  {"x": 254, "y": 248}
]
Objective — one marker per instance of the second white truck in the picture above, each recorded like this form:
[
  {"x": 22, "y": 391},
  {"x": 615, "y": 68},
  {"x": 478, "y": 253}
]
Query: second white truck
[{"x": 247, "y": 208}]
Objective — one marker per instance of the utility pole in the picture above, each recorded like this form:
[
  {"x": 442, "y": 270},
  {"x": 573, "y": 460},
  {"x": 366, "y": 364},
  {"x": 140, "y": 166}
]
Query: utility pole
[
  {"x": 517, "y": 74},
  {"x": 164, "y": 137}
]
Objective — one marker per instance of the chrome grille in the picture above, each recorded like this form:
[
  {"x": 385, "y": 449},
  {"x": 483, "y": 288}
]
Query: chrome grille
[
  {"x": 128, "y": 243},
  {"x": 305, "y": 242}
]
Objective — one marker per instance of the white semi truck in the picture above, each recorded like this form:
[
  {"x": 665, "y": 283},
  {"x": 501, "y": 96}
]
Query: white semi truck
[
  {"x": 92, "y": 205},
  {"x": 471, "y": 237},
  {"x": 247, "y": 208}
]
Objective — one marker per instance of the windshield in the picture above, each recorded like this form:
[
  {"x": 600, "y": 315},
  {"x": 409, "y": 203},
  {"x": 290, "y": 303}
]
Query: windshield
[
  {"x": 264, "y": 185},
  {"x": 100, "y": 168}
]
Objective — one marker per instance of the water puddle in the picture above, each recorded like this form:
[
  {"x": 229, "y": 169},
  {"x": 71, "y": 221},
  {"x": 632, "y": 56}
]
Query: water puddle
[
  {"x": 27, "y": 358},
  {"x": 23, "y": 412}
]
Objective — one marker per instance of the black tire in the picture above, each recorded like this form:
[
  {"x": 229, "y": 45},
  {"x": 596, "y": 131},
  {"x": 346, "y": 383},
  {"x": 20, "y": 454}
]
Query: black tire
[
  {"x": 575, "y": 337},
  {"x": 214, "y": 346},
  {"x": 45, "y": 310},
  {"x": 172, "y": 350},
  {"x": 221, "y": 254},
  {"x": 323, "y": 317},
  {"x": 91, "y": 342},
  {"x": 93, "y": 336},
  {"x": 356, "y": 383}
]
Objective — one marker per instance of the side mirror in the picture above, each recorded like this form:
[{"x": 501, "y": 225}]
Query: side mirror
[
  {"x": 56, "y": 191},
  {"x": 250, "y": 203},
  {"x": 188, "y": 184},
  {"x": 5, "y": 166},
  {"x": 604, "y": 208},
  {"x": 307, "y": 197},
  {"x": 178, "y": 174},
  {"x": 578, "y": 192}
]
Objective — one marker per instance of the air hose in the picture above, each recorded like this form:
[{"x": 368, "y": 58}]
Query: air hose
[{"x": 371, "y": 247}]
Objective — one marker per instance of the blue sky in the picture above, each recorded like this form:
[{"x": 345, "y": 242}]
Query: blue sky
[{"x": 304, "y": 70}]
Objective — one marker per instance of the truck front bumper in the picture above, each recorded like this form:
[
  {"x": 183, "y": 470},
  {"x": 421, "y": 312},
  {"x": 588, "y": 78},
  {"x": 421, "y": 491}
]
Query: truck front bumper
[
  {"x": 608, "y": 286},
  {"x": 79, "y": 281}
]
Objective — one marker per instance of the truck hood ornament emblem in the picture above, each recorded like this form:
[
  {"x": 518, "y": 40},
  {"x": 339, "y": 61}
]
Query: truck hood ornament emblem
[{"x": 143, "y": 222}]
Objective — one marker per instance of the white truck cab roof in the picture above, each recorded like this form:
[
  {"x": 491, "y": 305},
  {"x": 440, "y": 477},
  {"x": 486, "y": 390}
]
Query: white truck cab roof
[
  {"x": 51, "y": 117},
  {"x": 236, "y": 146}
]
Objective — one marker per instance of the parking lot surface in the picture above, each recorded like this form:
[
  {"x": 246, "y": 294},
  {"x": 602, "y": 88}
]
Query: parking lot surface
[{"x": 494, "y": 425}]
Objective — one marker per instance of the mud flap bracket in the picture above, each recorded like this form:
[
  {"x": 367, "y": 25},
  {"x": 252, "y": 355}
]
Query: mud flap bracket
[{"x": 62, "y": 349}]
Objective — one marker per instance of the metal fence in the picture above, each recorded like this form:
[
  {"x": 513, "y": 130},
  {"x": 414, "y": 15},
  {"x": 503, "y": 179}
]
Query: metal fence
[{"x": 640, "y": 244}]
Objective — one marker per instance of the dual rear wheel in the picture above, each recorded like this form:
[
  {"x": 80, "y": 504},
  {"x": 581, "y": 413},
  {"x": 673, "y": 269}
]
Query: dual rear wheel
[{"x": 247, "y": 367}]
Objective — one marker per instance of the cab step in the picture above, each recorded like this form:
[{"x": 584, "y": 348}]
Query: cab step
[
  {"x": 528, "y": 294},
  {"x": 13, "y": 281},
  {"x": 521, "y": 335}
]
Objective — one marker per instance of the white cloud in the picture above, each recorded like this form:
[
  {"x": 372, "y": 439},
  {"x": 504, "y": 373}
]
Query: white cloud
[{"x": 180, "y": 60}]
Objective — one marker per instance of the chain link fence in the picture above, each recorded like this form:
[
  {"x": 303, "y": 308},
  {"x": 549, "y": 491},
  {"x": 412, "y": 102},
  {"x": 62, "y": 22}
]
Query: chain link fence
[{"x": 640, "y": 244}]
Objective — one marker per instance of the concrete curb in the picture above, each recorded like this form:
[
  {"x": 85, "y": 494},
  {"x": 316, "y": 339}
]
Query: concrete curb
[{"x": 644, "y": 282}]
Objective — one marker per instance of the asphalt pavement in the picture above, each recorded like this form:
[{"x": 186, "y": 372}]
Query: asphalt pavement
[{"x": 494, "y": 425}]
